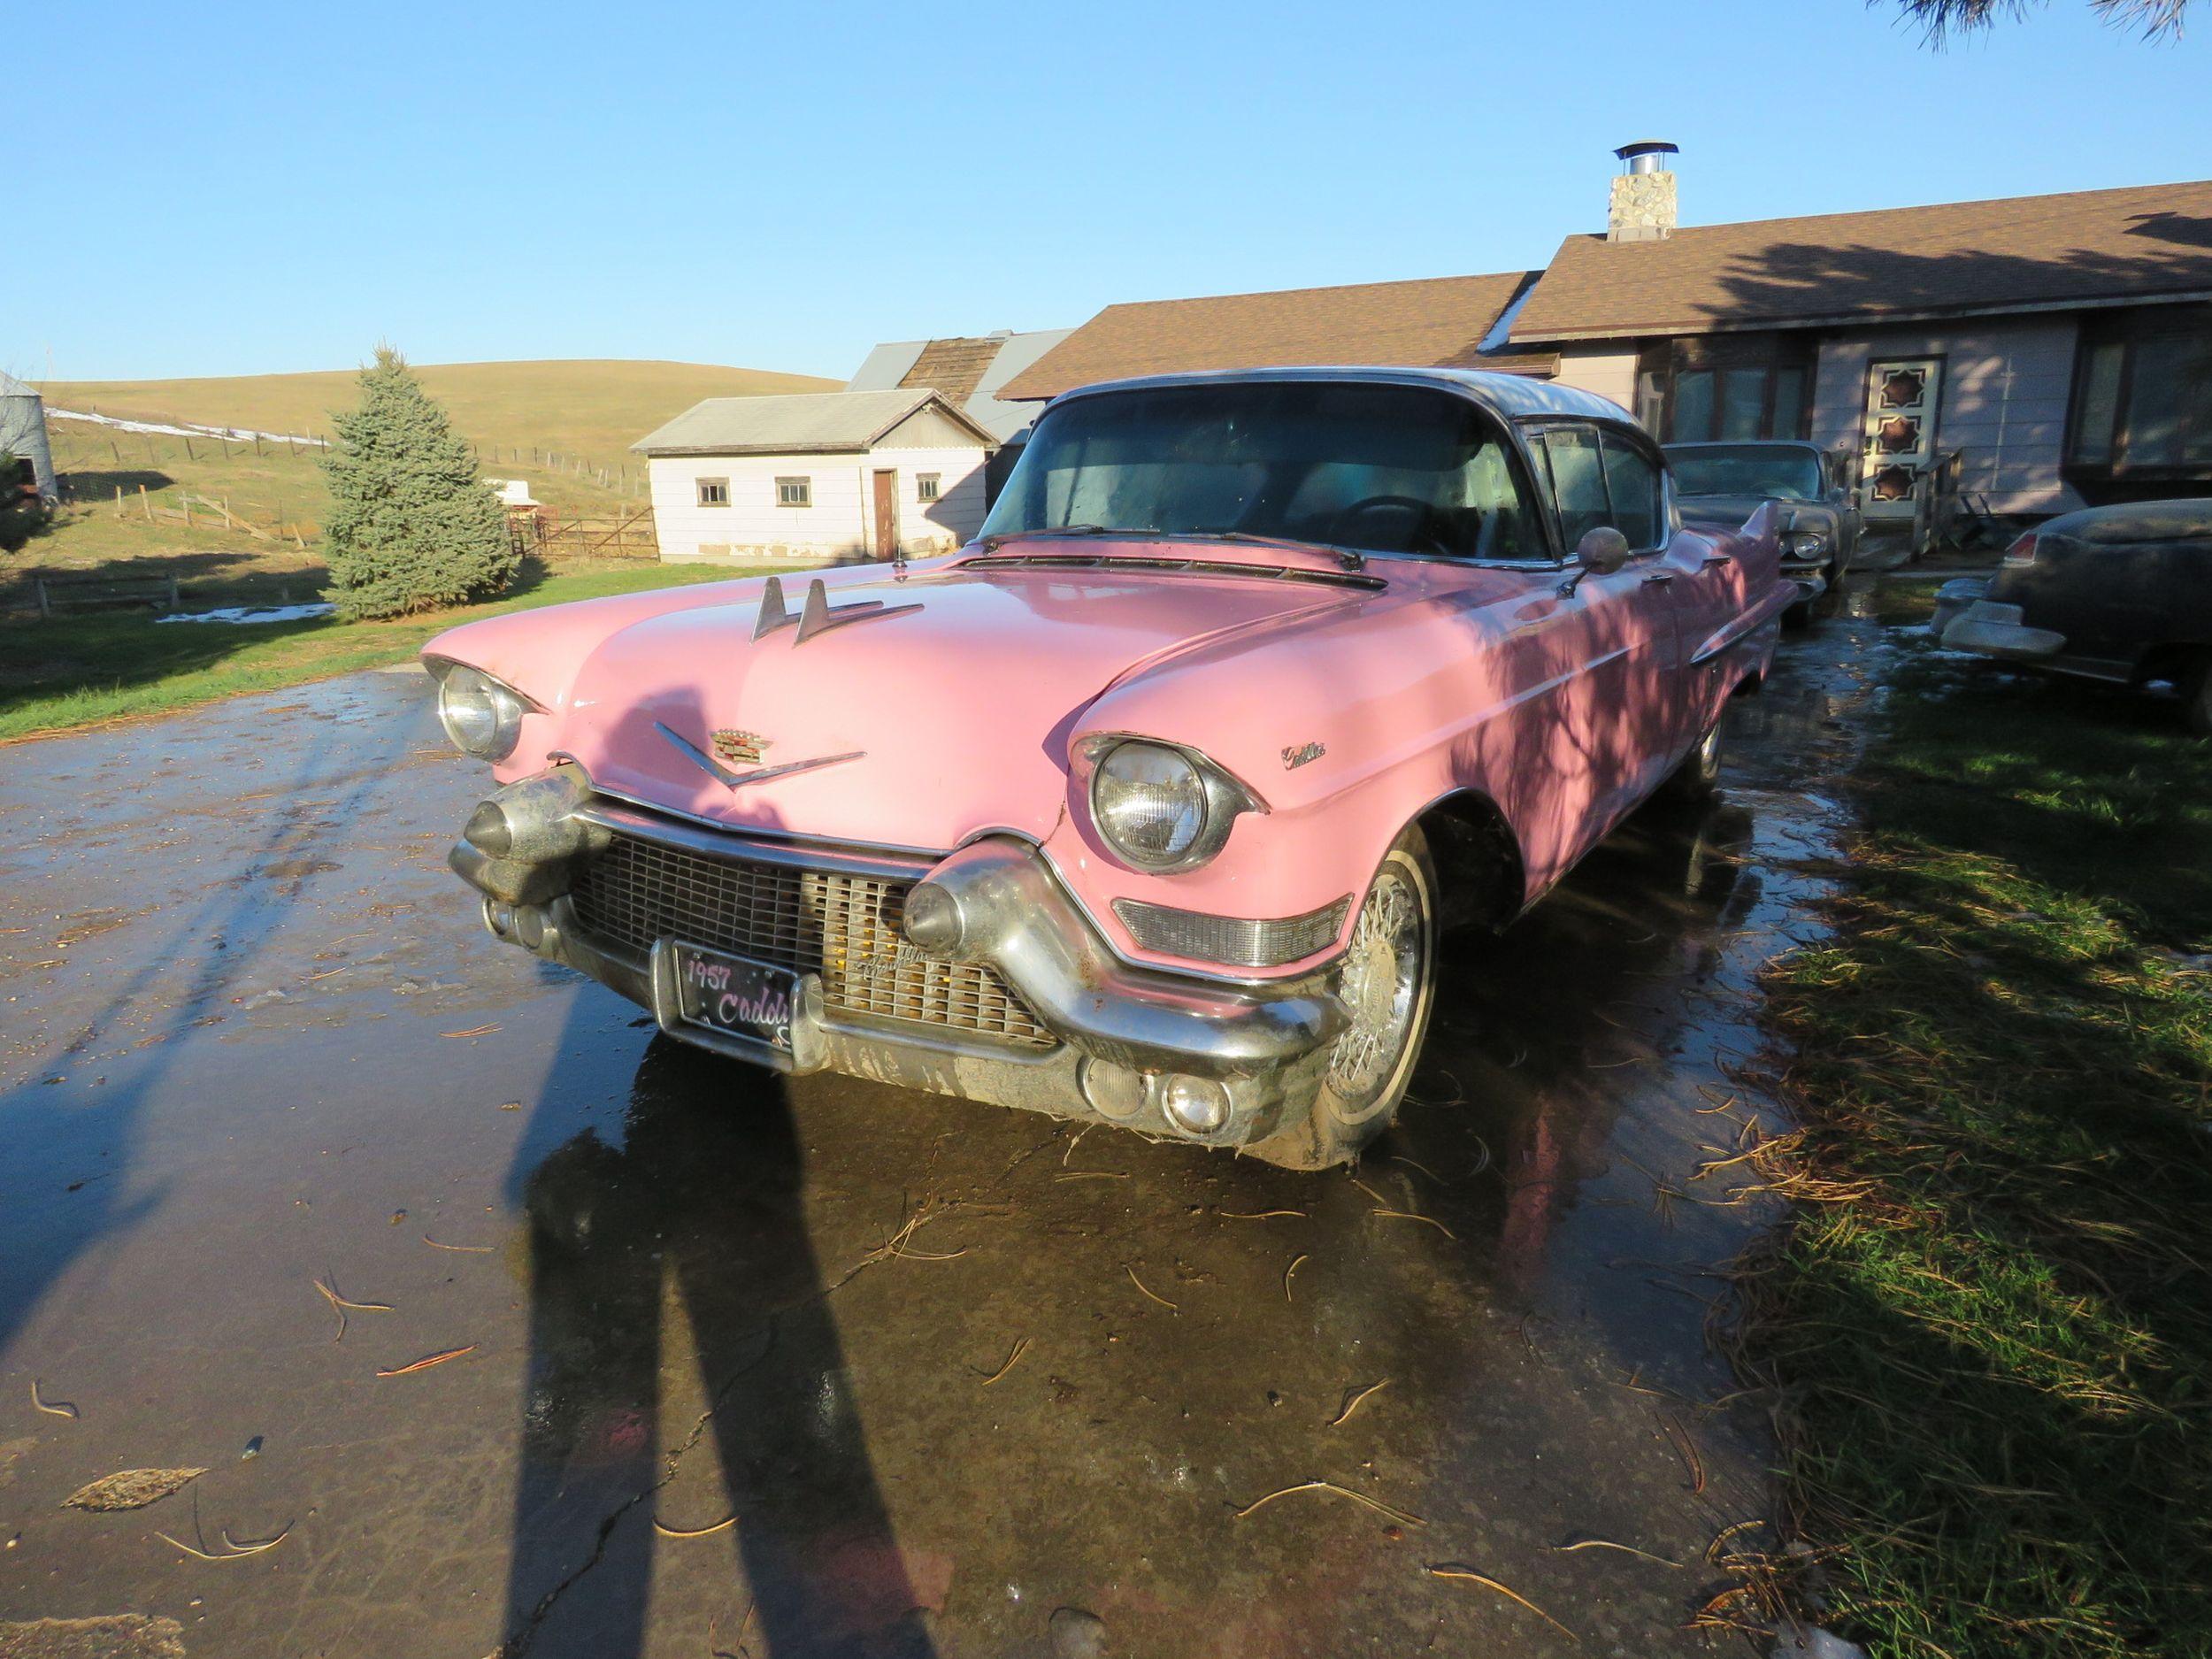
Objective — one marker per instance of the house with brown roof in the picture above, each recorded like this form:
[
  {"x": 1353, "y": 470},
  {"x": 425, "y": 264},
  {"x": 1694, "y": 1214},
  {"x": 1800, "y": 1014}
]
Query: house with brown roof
[
  {"x": 2034, "y": 353},
  {"x": 2046, "y": 341}
]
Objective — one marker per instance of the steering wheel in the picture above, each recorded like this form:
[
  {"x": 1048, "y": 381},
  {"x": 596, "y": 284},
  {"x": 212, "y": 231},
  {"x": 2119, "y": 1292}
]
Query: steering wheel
[{"x": 1423, "y": 515}]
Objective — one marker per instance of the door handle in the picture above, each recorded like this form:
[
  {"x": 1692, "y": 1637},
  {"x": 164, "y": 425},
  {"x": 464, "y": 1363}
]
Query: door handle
[
  {"x": 1712, "y": 559},
  {"x": 1657, "y": 576}
]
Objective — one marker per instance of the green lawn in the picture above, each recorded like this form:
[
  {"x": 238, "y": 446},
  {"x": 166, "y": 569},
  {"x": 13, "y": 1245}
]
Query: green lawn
[
  {"x": 1992, "y": 1323},
  {"x": 81, "y": 670}
]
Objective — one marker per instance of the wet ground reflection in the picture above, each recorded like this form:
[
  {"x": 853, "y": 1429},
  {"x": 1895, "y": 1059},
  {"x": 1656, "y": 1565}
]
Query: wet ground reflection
[{"x": 698, "y": 1292}]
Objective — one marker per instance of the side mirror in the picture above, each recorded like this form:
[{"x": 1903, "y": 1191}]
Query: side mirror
[{"x": 1601, "y": 551}]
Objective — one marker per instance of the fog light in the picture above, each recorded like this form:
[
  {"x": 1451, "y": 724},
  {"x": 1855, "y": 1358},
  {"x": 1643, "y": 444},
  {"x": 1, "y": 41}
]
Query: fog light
[
  {"x": 1114, "y": 1091},
  {"x": 499, "y": 917},
  {"x": 529, "y": 925},
  {"x": 1197, "y": 1106},
  {"x": 932, "y": 918}
]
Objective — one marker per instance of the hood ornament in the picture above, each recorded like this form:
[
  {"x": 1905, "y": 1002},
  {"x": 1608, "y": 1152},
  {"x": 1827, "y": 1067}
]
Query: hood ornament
[
  {"x": 734, "y": 780},
  {"x": 735, "y": 745},
  {"x": 816, "y": 614}
]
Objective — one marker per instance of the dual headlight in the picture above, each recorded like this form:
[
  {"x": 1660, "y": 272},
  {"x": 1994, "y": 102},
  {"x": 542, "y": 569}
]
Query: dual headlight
[
  {"x": 1804, "y": 544},
  {"x": 481, "y": 716},
  {"x": 1162, "y": 808}
]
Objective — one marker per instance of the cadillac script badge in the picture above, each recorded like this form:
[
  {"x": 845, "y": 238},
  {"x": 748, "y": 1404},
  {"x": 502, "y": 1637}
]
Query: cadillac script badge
[{"x": 739, "y": 746}]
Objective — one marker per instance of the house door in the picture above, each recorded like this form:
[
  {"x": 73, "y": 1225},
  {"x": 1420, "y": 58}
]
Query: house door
[
  {"x": 887, "y": 514},
  {"x": 1902, "y": 396}
]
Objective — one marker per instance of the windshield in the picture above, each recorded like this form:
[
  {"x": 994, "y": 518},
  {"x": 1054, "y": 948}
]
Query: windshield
[
  {"x": 1749, "y": 469},
  {"x": 1376, "y": 468}
]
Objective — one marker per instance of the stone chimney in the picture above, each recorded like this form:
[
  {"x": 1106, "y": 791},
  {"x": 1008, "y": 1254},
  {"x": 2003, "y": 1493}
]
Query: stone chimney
[{"x": 1643, "y": 206}]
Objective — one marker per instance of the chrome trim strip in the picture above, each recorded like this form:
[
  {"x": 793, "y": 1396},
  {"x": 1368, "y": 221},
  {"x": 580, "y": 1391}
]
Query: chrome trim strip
[
  {"x": 749, "y": 834},
  {"x": 724, "y": 843},
  {"x": 1272, "y": 941},
  {"x": 729, "y": 779}
]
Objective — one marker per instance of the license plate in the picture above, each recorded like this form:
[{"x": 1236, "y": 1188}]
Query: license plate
[{"x": 729, "y": 994}]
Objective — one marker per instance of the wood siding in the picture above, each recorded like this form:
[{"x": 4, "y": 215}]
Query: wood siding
[
  {"x": 1608, "y": 370},
  {"x": 838, "y": 526},
  {"x": 2004, "y": 392}
]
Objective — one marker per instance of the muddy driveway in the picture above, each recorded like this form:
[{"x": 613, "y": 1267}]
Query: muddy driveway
[{"x": 969, "y": 1383}]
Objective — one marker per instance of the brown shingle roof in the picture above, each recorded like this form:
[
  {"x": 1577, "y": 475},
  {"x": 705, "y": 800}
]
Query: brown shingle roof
[
  {"x": 1425, "y": 324},
  {"x": 953, "y": 367},
  {"x": 1901, "y": 262}
]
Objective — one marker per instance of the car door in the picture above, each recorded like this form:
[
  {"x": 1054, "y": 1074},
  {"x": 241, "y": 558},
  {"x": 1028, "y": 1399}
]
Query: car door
[{"x": 1619, "y": 720}]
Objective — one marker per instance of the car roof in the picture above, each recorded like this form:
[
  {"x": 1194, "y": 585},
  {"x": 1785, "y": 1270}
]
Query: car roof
[
  {"x": 1509, "y": 396},
  {"x": 2186, "y": 520}
]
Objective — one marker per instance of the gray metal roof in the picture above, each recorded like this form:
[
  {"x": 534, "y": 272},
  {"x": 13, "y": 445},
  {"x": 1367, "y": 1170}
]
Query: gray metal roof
[
  {"x": 1513, "y": 397},
  {"x": 1007, "y": 420},
  {"x": 890, "y": 361},
  {"x": 886, "y": 365},
  {"x": 10, "y": 386},
  {"x": 802, "y": 423}
]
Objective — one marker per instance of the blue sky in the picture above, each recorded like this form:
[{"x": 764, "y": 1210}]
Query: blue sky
[{"x": 222, "y": 189}]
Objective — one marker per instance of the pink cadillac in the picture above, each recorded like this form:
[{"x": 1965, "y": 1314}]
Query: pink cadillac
[{"x": 1147, "y": 805}]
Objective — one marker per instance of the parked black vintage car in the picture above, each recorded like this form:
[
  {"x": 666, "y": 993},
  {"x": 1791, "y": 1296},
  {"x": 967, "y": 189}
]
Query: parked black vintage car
[
  {"x": 1726, "y": 483},
  {"x": 2121, "y": 594}
]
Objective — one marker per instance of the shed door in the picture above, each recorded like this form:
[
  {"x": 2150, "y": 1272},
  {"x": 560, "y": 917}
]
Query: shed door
[
  {"x": 1902, "y": 396},
  {"x": 887, "y": 514}
]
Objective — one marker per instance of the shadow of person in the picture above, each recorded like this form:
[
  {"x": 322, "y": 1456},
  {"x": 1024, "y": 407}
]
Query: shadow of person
[{"x": 696, "y": 1216}]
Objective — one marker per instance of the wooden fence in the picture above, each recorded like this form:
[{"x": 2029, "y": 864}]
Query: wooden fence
[
  {"x": 628, "y": 535},
  {"x": 210, "y": 510}
]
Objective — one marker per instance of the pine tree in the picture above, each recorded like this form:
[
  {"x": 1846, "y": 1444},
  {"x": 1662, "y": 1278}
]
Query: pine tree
[{"x": 412, "y": 526}]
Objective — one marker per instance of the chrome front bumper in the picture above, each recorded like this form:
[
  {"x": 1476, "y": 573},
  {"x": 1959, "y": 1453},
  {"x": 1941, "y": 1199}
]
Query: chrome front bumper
[
  {"x": 1266, "y": 1043},
  {"x": 1966, "y": 621},
  {"x": 1811, "y": 579}
]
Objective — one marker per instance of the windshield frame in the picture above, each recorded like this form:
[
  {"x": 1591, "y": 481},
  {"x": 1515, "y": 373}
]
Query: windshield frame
[{"x": 1535, "y": 501}]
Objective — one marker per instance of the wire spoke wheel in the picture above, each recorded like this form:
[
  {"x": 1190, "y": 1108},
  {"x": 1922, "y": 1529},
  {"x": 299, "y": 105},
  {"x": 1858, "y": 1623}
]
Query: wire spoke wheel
[{"x": 1385, "y": 976}]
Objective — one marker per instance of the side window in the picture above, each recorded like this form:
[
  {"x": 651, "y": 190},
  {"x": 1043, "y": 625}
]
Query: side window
[
  {"x": 1632, "y": 483},
  {"x": 1577, "y": 482}
]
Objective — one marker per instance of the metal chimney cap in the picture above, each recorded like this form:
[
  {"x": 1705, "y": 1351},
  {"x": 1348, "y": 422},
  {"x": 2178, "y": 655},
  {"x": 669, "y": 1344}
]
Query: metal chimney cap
[{"x": 1643, "y": 155}]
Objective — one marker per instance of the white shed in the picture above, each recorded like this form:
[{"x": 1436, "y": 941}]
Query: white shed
[
  {"x": 23, "y": 431},
  {"x": 818, "y": 478}
]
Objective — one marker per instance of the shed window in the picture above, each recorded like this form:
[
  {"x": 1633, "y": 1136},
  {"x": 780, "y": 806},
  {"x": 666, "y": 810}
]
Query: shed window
[
  {"x": 795, "y": 491},
  {"x": 926, "y": 486},
  {"x": 714, "y": 491}
]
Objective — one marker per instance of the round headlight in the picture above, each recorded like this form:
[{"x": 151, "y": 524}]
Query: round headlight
[
  {"x": 482, "y": 716},
  {"x": 1149, "y": 804}
]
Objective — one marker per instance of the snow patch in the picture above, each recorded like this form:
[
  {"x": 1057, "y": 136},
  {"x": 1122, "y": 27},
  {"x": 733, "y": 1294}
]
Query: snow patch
[
  {"x": 252, "y": 613},
  {"x": 187, "y": 429}
]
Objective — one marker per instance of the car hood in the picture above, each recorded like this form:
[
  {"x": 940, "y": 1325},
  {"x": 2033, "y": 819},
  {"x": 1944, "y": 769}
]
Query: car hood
[
  {"x": 945, "y": 713},
  {"x": 1736, "y": 509}
]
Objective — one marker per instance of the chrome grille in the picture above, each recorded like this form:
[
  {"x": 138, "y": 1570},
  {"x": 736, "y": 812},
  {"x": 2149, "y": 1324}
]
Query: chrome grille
[
  {"x": 844, "y": 927},
  {"x": 1233, "y": 939}
]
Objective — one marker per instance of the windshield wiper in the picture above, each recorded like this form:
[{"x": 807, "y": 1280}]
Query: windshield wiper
[
  {"x": 1350, "y": 558},
  {"x": 991, "y": 542}
]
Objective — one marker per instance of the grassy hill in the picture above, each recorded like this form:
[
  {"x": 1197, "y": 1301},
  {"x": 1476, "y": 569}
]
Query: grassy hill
[
  {"x": 521, "y": 416},
  {"x": 594, "y": 408}
]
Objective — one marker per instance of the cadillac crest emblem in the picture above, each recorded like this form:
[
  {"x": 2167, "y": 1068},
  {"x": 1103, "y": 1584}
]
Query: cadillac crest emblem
[{"x": 742, "y": 747}]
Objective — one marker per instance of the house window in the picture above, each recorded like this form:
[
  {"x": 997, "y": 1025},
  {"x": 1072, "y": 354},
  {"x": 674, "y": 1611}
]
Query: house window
[
  {"x": 795, "y": 491},
  {"x": 714, "y": 491},
  {"x": 926, "y": 486},
  {"x": 1698, "y": 390},
  {"x": 2143, "y": 397}
]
